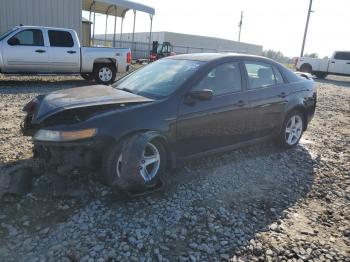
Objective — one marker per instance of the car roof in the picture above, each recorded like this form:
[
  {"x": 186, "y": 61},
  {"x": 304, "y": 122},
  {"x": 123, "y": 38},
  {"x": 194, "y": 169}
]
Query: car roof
[{"x": 207, "y": 57}]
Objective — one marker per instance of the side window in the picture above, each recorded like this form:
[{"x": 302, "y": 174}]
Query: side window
[
  {"x": 278, "y": 75},
  {"x": 29, "y": 37},
  {"x": 60, "y": 38},
  {"x": 260, "y": 74},
  {"x": 342, "y": 56},
  {"x": 225, "y": 78}
]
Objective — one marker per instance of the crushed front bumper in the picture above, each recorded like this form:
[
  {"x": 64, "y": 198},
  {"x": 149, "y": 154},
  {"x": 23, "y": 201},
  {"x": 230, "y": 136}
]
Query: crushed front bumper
[{"x": 63, "y": 158}]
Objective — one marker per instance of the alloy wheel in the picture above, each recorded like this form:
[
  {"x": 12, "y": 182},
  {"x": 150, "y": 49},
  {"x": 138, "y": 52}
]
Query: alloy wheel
[
  {"x": 149, "y": 163},
  {"x": 294, "y": 130}
]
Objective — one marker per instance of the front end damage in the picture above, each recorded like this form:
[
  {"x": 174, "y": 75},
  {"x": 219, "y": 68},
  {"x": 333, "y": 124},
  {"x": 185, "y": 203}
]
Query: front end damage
[
  {"x": 64, "y": 158},
  {"x": 67, "y": 139}
]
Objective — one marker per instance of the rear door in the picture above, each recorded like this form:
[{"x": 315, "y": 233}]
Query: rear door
[
  {"x": 340, "y": 63},
  {"x": 218, "y": 122},
  {"x": 25, "y": 52},
  {"x": 268, "y": 97},
  {"x": 64, "y": 52}
]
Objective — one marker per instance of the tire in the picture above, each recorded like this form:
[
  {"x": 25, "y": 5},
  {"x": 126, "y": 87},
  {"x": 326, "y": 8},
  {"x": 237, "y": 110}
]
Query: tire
[
  {"x": 306, "y": 68},
  {"x": 321, "y": 75},
  {"x": 290, "y": 136},
  {"x": 112, "y": 163},
  {"x": 87, "y": 77},
  {"x": 105, "y": 73}
]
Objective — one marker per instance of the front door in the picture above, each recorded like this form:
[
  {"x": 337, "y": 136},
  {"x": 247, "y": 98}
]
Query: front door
[
  {"x": 210, "y": 124},
  {"x": 26, "y": 52},
  {"x": 268, "y": 97},
  {"x": 340, "y": 63},
  {"x": 64, "y": 55}
]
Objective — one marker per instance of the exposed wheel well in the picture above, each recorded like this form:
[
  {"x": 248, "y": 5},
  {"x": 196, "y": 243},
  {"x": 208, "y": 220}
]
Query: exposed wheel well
[{"x": 99, "y": 61}]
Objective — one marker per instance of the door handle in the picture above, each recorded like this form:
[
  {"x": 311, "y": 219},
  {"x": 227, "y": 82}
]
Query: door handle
[
  {"x": 71, "y": 52},
  {"x": 282, "y": 95},
  {"x": 333, "y": 62},
  {"x": 348, "y": 63},
  {"x": 40, "y": 51}
]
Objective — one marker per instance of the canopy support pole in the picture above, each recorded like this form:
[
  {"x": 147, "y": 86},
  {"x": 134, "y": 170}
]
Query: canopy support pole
[
  {"x": 106, "y": 28},
  {"x": 133, "y": 32},
  {"x": 115, "y": 24},
  {"x": 121, "y": 32},
  {"x": 93, "y": 28},
  {"x": 150, "y": 33},
  {"x": 93, "y": 3}
]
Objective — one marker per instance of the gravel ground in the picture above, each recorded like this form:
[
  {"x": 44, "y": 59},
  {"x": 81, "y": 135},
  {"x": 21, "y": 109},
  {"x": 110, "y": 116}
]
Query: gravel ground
[{"x": 255, "y": 204}]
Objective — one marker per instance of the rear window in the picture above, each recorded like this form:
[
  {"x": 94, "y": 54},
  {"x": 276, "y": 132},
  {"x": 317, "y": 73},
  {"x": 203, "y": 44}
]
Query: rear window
[
  {"x": 342, "y": 56},
  {"x": 60, "y": 38}
]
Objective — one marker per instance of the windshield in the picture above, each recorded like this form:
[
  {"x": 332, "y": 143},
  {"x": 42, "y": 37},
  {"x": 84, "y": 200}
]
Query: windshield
[
  {"x": 158, "y": 79},
  {"x": 7, "y": 33}
]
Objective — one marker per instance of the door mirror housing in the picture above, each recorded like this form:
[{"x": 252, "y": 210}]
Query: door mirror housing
[
  {"x": 204, "y": 94},
  {"x": 13, "y": 41}
]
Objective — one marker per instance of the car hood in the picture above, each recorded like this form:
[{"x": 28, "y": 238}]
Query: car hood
[{"x": 85, "y": 96}]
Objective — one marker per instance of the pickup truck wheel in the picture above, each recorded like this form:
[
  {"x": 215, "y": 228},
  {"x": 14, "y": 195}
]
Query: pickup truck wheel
[
  {"x": 105, "y": 73},
  {"x": 306, "y": 68},
  {"x": 320, "y": 75},
  {"x": 87, "y": 76}
]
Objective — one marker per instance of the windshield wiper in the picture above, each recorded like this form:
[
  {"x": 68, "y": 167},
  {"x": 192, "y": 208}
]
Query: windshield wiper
[{"x": 126, "y": 90}]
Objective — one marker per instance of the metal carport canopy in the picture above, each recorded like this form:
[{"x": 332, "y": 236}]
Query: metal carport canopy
[
  {"x": 119, "y": 8},
  {"x": 103, "y": 6}
]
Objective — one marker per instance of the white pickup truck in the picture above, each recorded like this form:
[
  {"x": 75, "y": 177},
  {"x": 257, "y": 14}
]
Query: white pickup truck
[
  {"x": 338, "y": 64},
  {"x": 45, "y": 50}
]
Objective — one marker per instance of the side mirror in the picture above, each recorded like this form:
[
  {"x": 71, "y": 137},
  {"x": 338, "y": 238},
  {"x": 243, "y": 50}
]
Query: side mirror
[
  {"x": 204, "y": 94},
  {"x": 191, "y": 97},
  {"x": 13, "y": 41}
]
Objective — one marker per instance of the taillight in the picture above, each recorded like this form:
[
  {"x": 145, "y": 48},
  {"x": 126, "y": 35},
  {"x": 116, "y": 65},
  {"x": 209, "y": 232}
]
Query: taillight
[{"x": 128, "y": 58}]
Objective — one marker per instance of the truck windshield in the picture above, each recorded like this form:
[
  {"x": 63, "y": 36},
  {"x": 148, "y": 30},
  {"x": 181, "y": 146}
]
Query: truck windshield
[
  {"x": 7, "y": 33},
  {"x": 158, "y": 79}
]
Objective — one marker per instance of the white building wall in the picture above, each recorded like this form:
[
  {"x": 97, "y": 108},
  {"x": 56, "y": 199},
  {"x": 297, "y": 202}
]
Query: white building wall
[
  {"x": 194, "y": 42},
  {"x": 55, "y": 13}
]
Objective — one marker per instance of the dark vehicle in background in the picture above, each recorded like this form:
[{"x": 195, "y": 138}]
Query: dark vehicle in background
[{"x": 175, "y": 108}]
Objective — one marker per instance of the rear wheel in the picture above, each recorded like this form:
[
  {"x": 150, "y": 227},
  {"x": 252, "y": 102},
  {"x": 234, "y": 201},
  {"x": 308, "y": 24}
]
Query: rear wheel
[
  {"x": 292, "y": 130},
  {"x": 105, "y": 73},
  {"x": 306, "y": 68},
  {"x": 320, "y": 75}
]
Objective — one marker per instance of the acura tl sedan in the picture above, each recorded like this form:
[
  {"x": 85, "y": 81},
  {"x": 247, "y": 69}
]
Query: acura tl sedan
[{"x": 176, "y": 108}]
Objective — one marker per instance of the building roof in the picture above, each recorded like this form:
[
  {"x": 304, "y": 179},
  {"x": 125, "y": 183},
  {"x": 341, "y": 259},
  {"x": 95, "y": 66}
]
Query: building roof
[{"x": 107, "y": 6}]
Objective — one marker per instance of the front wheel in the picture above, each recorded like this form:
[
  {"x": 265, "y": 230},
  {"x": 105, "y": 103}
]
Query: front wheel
[
  {"x": 105, "y": 73},
  {"x": 292, "y": 130},
  {"x": 151, "y": 164}
]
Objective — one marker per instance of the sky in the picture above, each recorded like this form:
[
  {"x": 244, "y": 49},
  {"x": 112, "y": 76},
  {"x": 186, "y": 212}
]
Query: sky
[{"x": 274, "y": 24}]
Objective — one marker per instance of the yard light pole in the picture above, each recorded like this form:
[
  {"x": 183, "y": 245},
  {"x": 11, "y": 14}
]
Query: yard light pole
[
  {"x": 240, "y": 27},
  {"x": 306, "y": 27}
]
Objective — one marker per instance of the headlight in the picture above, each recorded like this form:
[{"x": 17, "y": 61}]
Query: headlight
[{"x": 61, "y": 136}]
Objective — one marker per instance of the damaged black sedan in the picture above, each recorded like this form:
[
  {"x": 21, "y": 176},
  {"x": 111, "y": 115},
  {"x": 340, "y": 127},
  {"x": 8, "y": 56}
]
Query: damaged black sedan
[{"x": 176, "y": 108}]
